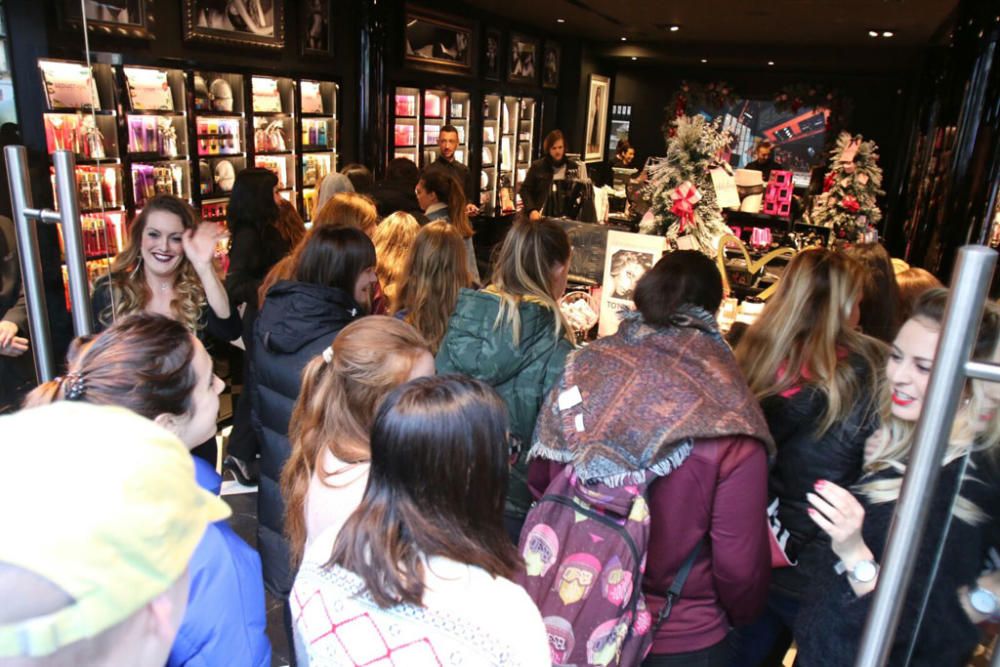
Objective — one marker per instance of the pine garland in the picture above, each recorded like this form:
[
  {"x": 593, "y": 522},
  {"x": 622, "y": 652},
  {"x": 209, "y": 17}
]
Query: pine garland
[
  {"x": 853, "y": 184},
  {"x": 691, "y": 152}
]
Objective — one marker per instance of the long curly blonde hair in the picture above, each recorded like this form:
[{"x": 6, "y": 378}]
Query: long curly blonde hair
[
  {"x": 393, "y": 239},
  {"x": 130, "y": 292}
]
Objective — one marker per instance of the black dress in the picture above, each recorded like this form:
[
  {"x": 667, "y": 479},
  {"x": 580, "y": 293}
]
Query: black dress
[{"x": 830, "y": 622}]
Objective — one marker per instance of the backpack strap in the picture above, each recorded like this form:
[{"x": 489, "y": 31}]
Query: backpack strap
[{"x": 674, "y": 591}]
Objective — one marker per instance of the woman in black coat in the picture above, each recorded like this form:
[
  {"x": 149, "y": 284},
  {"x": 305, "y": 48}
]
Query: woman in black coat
[{"x": 330, "y": 287}]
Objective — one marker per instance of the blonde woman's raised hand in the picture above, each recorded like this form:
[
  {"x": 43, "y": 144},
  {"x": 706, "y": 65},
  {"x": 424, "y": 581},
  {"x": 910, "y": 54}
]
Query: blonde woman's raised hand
[{"x": 199, "y": 244}]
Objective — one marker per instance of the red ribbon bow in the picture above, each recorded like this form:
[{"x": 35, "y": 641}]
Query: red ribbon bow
[{"x": 685, "y": 196}]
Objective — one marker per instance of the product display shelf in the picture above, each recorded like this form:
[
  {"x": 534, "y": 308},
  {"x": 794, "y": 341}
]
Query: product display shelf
[
  {"x": 492, "y": 131},
  {"x": 220, "y": 134},
  {"x": 157, "y": 154},
  {"x": 459, "y": 113},
  {"x": 406, "y": 123},
  {"x": 318, "y": 144},
  {"x": 507, "y": 174},
  {"x": 525, "y": 142},
  {"x": 81, "y": 115},
  {"x": 274, "y": 131},
  {"x": 435, "y": 106},
  {"x": 417, "y": 118}
]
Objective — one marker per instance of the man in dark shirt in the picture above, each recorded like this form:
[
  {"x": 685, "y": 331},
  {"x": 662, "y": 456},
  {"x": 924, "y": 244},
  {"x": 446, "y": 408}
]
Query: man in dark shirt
[
  {"x": 765, "y": 161},
  {"x": 447, "y": 144}
]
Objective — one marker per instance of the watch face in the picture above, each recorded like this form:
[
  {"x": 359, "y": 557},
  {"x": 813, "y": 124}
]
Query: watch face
[
  {"x": 864, "y": 572},
  {"x": 983, "y": 601}
]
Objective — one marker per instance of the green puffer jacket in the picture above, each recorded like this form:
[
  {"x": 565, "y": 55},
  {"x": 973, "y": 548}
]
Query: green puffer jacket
[{"x": 522, "y": 374}]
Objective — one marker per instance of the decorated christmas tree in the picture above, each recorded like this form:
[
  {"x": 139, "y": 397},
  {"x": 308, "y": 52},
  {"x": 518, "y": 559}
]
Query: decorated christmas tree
[
  {"x": 848, "y": 203},
  {"x": 680, "y": 185}
]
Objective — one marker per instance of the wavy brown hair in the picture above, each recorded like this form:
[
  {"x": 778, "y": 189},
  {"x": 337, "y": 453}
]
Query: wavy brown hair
[
  {"x": 348, "y": 209},
  {"x": 130, "y": 292},
  {"x": 436, "y": 487},
  {"x": 436, "y": 270},
  {"x": 337, "y": 404},
  {"x": 803, "y": 334},
  {"x": 393, "y": 239},
  {"x": 143, "y": 363}
]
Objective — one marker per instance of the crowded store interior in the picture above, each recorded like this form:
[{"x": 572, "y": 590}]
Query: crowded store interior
[{"x": 498, "y": 332}]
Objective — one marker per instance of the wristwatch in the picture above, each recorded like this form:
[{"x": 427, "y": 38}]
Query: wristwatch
[
  {"x": 863, "y": 572},
  {"x": 984, "y": 601}
]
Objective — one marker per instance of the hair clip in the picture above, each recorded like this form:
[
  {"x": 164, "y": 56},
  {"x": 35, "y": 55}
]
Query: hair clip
[
  {"x": 73, "y": 386},
  {"x": 328, "y": 355}
]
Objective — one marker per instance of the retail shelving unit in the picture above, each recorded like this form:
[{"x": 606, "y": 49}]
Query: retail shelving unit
[
  {"x": 318, "y": 129},
  {"x": 220, "y": 134},
  {"x": 492, "y": 131},
  {"x": 274, "y": 122},
  {"x": 417, "y": 119}
]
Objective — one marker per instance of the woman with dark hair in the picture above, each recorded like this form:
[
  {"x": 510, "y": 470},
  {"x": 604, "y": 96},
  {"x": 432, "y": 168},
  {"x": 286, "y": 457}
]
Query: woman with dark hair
[
  {"x": 166, "y": 268},
  {"x": 513, "y": 336},
  {"x": 329, "y": 288},
  {"x": 663, "y": 400},
  {"x": 395, "y": 192},
  {"x": 624, "y": 154},
  {"x": 441, "y": 197},
  {"x": 555, "y": 166},
  {"x": 154, "y": 367},
  {"x": 361, "y": 178},
  {"x": 879, "y": 292},
  {"x": 424, "y": 559},
  {"x": 262, "y": 234}
]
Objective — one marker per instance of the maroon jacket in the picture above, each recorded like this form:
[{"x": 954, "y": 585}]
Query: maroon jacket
[{"x": 718, "y": 494}]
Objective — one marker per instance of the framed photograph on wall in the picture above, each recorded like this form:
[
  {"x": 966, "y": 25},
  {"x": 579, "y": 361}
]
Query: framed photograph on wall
[
  {"x": 550, "y": 65},
  {"x": 247, "y": 22},
  {"x": 316, "y": 27},
  {"x": 437, "y": 42},
  {"x": 124, "y": 18},
  {"x": 490, "y": 67},
  {"x": 597, "y": 118},
  {"x": 523, "y": 66}
]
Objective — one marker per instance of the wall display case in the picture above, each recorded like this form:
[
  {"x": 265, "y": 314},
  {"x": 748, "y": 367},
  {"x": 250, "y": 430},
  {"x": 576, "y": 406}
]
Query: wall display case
[
  {"x": 81, "y": 115},
  {"x": 318, "y": 127},
  {"x": 157, "y": 156},
  {"x": 417, "y": 118},
  {"x": 219, "y": 120},
  {"x": 508, "y": 149},
  {"x": 274, "y": 136},
  {"x": 492, "y": 131}
]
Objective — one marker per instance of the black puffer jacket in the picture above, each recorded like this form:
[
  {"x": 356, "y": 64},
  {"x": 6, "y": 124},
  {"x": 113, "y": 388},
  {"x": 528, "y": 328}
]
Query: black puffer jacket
[
  {"x": 297, "y": 322},
  {"x": 802, "y": 458}
]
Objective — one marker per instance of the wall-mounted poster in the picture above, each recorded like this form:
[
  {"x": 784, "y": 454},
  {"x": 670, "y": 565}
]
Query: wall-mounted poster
[
  {"x": 436, "y": 42},
  {"x": 550, "y": 65},
  {"x": 248, "y": 22},
  {"x": 626, "y": 260},
  {"x": 597, "y": 118},
  {"x": 316, "y": 27},
  {"x": 491, "y": 55},
  {"x": 523, "y": 66},
  {"x": 124, "y": 18}
]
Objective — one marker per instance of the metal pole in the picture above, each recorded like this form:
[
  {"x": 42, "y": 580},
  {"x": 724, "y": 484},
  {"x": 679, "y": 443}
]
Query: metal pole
[
  {"x": 76, "y": 265},
  {"x": 970, "y": 280},
  {"x": 995, "y": 662},
  {"x": 31, "y": 266}
]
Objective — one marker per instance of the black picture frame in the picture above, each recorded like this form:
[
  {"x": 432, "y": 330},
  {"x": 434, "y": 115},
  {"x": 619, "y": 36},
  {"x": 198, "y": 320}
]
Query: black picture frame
[
  {"x": 137, "y": 21},
  {"x": 492, "y": 54},
  {"x": 207, "y": 24},
  {"x": 551, "y": 64},
  {"x": 316, "y": 28},
  {"x": 437, "y": 42},
  {"x": 524, "y": 59}
]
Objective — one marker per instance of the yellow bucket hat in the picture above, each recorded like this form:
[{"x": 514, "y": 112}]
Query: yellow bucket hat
[{"x": 101, "y": 503}]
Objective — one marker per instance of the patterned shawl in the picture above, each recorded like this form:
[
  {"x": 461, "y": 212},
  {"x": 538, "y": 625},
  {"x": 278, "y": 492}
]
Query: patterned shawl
[{"x": 635, "y": 402}]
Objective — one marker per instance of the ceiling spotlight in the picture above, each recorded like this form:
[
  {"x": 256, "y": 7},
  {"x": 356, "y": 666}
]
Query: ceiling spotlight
[
  {"x": 770, "y": 63},
  {"x": 634, "y": 58},
  {"x": 888, "y": 33},
  {"x": 873, "y": 33},
  {"x": 624, "y": 39},
  {"x": 704, "y": 60},
  {"x": 560, "y": 20},
  {"x": 674, "y": 28}
]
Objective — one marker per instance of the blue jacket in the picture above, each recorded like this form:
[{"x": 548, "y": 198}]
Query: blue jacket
[{"x": 225, "y": 622}]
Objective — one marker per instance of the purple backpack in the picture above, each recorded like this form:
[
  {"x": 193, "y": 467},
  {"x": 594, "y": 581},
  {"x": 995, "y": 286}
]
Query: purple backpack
[{"x": 584, "y": 548}]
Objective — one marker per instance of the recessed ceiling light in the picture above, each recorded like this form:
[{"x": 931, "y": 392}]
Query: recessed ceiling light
[
  {"x": 873, "y": 33},
  {"x": 704, "y": 60},
  {"x": 888, "y": 33},
  {"x": 674, "y": 28},
  {"x": 634, "y": 58},
  {"x": 770, "y": 63},
  {"x": 560, "y": 20},
  {"x": 624, "y": 39}
]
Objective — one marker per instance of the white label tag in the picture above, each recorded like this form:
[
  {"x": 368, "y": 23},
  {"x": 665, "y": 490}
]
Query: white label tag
[
  {"x": 579, "y": 423},
  {"x": 570, "y": 397}
]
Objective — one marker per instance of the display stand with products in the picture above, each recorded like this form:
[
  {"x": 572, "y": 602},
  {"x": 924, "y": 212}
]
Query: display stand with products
[
  {"x": 274, "y": 121},
  {"x": 509, "y": 142},
  {"x": 81, "y": 115},
  {"x": 220, "y": 131},
  {"x": 417, "y": 118},
  {"x": 157, "y": 154},
  {"x": 492, "y": 130},
  {"x": 318, "y": 129}
]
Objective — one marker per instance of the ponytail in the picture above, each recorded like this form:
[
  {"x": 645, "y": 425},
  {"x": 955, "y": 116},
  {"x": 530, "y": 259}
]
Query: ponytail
[{"x": 449, "y": 191}]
